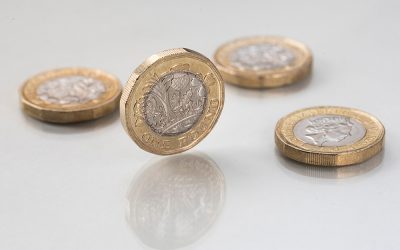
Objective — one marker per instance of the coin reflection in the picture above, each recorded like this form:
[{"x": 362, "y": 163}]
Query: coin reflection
[{"x": 176, "y": 200}]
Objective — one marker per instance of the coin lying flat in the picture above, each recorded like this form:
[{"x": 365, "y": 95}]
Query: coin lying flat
[
  {"x": 329, "y": 136},
  {"x": 70, "y": 95},
  {"x": 172, "y": 101},
  {"x": 263, "y": 62}
]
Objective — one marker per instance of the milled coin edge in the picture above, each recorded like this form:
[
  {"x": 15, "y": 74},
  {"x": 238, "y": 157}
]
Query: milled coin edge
[
  {"x": 132, "y": 85},
  {"x": 346, "y": 157},
  {"x": 74, "y": 114},
  {"x": 265, "y": 78}
]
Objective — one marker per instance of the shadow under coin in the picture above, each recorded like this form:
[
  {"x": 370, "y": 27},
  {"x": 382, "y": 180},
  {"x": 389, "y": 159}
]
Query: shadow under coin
[
  {"x": 331, "y": 172},
  {"x": 175, "y": 201},
  {"x": 71, "y": 128}
]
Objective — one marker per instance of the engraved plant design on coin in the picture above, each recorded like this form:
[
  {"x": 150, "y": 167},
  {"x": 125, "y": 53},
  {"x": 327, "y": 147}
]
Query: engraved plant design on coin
[
  {"x": 70, "y": 90},
  {"x": 175, "y": 103},
  {"x": 172, "y": 101},
  {"x": 329, "y": 130},
  {"x": 264, "y": 56}
]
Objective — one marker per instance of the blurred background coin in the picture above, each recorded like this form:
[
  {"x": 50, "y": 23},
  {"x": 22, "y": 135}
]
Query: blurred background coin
[
  {"x": 172, "y": 101},
  {"x": 70, "y": 95},
  {"x": 263, "y": 61},
  {"x": 329, "y": 136}
]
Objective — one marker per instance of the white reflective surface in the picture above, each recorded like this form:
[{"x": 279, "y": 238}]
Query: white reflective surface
[
  {"x": 176, "y": 200},
  {"x": 65, "y": 187}
]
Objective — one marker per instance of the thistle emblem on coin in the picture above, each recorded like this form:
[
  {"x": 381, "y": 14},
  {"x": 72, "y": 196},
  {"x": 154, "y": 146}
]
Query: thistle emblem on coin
[
  {"x": 175, "y": 102},
  {"x": 172, "y": 101}
]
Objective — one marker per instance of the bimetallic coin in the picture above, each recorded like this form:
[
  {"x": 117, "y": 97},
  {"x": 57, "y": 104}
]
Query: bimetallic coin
[
  {"x": 263, "y": 62},
  {"x": 172, "y": 101},
  {"x": 70, "y": 95},
  {"x": 329, "y": 136}
]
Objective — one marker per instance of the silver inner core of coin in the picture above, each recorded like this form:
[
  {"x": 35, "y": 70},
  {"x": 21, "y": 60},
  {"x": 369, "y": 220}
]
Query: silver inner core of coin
[
  {"x": 329, "y": 130},
  {"x": 70, "y": 90},
  {"x": 264, "y": 56},
  {"x": 175, "y": 103}
]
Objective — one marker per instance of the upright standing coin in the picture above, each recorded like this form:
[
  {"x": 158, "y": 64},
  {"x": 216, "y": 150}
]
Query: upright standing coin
[
  {"x": 172, "y": 101},
  {"x": 263, "y": 62},
  {"x": 70, "y": 95},
  {"x": 329, "y": 136}
]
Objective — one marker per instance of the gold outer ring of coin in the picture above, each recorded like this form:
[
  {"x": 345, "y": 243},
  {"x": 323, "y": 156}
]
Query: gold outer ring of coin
[
  {"x": 70, "y": 113},
  {"x": 273, "y": 78},
  {"x": 357, "y": 152},
  {"x": 141, "y": 83}
]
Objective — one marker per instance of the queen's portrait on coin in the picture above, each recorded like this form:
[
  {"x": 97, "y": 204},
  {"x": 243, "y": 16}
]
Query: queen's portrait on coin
[
  {"x": 329, "y": 136},
  {"x": 328, "y": 129}
]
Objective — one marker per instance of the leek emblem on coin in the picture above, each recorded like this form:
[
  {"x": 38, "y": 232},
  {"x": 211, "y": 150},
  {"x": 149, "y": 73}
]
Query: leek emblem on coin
[
  {"x": 329, "y": 136},
  {"x": 172, "y": 101}
]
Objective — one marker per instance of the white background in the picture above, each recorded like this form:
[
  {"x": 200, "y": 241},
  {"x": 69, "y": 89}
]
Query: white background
[{"x": 65, "y": 187}]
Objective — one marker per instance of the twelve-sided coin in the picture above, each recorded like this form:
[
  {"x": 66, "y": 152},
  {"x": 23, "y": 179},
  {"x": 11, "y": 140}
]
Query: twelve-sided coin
[
  {"x": 70, "y": 95},
  {"x": 263, "y": 61},
  {"x": 172, "y": 101},
  {"x": 329, "y": 136}
]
